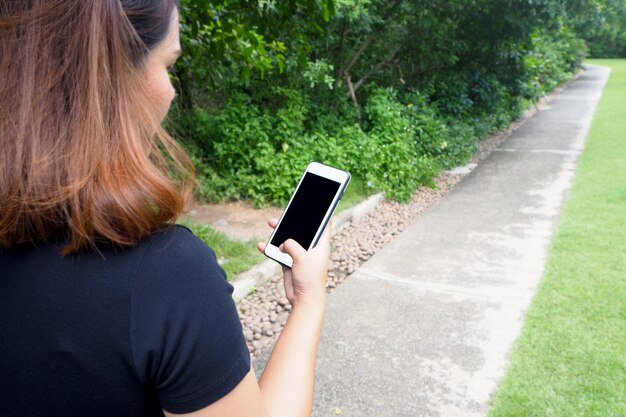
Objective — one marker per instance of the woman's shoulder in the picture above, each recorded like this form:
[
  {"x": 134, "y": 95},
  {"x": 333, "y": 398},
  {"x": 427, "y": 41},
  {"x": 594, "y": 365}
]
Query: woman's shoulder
[
  {"x": 175, "y": 249},
  {"x": 175, "y": 239}
]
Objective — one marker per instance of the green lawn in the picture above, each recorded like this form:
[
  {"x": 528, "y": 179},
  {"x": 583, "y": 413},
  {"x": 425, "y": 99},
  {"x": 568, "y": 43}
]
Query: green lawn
[{"x": 570, "y": 359}]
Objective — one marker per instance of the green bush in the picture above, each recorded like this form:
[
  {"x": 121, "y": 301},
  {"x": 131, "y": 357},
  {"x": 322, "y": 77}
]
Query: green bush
[
  {"x": 266, "y": 88},
  {"x": 551, "y": 60},
  {"x": 398, "y": 167},
  {"x": 246, "y": 151},
  {"x": 256, "y": 147}
]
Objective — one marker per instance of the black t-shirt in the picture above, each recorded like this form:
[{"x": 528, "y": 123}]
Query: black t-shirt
[{"x": 122, "y": 332}]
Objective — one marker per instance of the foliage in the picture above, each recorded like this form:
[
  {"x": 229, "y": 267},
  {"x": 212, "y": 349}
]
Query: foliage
[
  {"x": 601, "y": 24},
  {"x": 552, "y": 60},
  {"x": 398, "y": 167},
  {"x": 227, "y": 42},
  {"x": 390, "y": 90}
]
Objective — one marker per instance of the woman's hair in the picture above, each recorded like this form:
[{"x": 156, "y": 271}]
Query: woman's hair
[{"x": 79, "y": 152}]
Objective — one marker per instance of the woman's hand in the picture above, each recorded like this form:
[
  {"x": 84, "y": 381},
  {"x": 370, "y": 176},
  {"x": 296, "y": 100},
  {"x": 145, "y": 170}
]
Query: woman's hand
[{"x": 305, "y": 281}]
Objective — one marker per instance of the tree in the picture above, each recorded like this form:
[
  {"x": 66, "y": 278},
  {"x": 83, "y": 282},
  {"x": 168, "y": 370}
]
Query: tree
[
  {"x": 602, "y": 24},
  {"x": 227, "y": 41}
]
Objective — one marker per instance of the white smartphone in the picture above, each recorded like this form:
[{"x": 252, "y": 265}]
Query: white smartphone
[{"x": 309, "y": 209}]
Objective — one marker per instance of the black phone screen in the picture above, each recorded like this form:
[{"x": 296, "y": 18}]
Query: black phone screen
[{"x": 306, "y": 211}]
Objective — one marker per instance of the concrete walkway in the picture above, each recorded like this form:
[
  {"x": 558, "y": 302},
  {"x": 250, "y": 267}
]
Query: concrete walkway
[{"x": 426, "y": 326}]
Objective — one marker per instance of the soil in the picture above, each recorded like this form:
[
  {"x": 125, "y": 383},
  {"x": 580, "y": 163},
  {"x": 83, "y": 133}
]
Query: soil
[{"x": 238, "y": 220}]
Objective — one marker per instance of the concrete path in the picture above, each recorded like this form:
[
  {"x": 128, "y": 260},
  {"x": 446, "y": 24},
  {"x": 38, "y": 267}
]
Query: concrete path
[{"x": 426, "y": 326}]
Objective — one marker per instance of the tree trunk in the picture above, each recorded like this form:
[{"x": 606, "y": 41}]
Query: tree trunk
[{"x": 353, "y": 97}]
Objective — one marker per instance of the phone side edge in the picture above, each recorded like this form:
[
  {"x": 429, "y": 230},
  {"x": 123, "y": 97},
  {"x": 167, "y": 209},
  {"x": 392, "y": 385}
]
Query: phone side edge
[{"x": 331, "y": 211}]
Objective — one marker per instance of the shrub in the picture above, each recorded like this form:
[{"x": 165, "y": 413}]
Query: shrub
[
  {"x": 265, "y": 85},
  {"x": 399, "y": 167}
]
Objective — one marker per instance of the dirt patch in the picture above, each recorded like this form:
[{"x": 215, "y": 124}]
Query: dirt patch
[{"x": 238, "y": 220}]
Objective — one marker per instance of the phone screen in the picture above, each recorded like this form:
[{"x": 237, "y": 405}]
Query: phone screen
[{"x": 306, "y": 211}]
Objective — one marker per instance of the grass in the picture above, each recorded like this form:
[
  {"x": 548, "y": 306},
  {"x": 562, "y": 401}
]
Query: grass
[
  {"x": 570, "y": 359},
  {"x": 235, "y": 256}
]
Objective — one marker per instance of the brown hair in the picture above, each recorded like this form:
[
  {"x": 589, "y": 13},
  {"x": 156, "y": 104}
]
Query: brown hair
[{"x": 80, "y": 154}]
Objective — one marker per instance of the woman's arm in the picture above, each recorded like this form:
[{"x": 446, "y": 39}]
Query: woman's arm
[
  {"x": 286, "y": 387},
  {"x": 287, "y": 381}
]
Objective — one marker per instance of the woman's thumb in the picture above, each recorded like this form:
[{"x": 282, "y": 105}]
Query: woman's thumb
[{"x": 293, "y": 249}]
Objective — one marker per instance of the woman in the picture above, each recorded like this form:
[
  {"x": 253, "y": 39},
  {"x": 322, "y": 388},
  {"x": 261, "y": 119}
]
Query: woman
[{"x": 106, "y": 307}]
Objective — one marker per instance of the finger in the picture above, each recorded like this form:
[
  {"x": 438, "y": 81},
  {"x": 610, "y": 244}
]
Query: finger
[
  {"x": 293, "y": 249},
  {"x": 261, "y": 246},
  {"x": 272, "y": 222}
]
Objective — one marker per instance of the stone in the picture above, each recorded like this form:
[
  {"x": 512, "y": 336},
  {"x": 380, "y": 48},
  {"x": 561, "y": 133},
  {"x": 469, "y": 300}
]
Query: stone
[{"x": 220, "y": 223}]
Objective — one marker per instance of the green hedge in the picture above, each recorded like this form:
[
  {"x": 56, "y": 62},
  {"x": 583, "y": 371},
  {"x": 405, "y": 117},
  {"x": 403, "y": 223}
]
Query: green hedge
[{"x": 419, "y": 110}]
